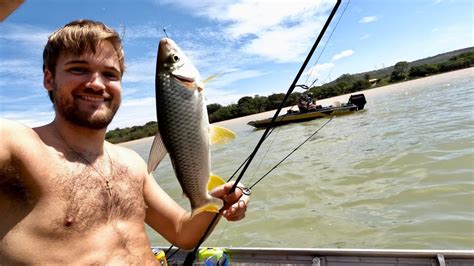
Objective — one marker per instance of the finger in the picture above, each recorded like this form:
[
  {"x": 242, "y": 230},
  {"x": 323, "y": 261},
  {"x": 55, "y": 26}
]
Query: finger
[
  {"x": 234, "y": 214},
  {"x": 235, "y": 209},
  {"x": 235, "y": 218},
  {"x": 222, "y": 190}
]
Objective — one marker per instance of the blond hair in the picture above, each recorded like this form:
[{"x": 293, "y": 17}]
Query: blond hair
[{"x": 75, "y": 38}]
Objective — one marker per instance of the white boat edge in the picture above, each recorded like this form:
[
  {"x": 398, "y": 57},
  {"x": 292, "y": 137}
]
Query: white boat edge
[{"x": 334, "y": 256}]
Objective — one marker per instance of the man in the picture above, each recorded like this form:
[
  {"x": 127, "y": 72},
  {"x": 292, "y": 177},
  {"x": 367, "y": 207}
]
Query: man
[{"x": 67, "y": 195}]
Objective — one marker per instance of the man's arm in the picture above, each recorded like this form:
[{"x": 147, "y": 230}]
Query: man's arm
[{"x": 180, "y": 227}]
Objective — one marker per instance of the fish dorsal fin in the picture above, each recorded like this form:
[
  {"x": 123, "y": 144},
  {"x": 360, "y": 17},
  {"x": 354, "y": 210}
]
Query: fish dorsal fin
[
  {"x": 210, "y": 78},
  {"x": 157, "y": 153},
  {"x": 214, "y": 181},
  {"x": 220, "y": 134}
]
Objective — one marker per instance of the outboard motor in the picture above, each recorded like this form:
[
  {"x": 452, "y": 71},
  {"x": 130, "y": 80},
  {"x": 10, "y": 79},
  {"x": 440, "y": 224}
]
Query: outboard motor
[{"x": 358, "y": 100}]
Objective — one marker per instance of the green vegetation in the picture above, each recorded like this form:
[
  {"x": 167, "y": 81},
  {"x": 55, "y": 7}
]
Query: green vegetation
[
  {"x": 345, "y": 84},
  {"x": 131, "y": 133}
]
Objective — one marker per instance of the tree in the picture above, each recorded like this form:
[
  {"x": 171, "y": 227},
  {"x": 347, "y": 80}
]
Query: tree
[
  {"x": 211, "y": 108},
  {"x": 347, "y": 78},
  {"x": 275, "y": 100},
  {"x": 360, "y": 84},
  {"x": 246, "y": 106},
  {"x": 399, "y": 71},
  {"x": 260, "y": 103}
]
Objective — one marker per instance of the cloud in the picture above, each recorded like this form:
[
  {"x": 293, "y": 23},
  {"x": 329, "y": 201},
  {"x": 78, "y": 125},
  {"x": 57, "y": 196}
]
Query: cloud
[
  {"x": 31, "y": 118},
  {"x": 254, "y": 17},
  {"x": 317, "y": 70},
  {"x": 140, "y": 70},
  {"x": 132, "y": 112},
  {"x": 29, "y": 69},
  {"x": 280, "y": 31},
  {"x": 342, "y": 54},
  {"x": 285, "y": 44},
  {"x": 368, "y": 19},
  {"x": 24, "y": 36}
]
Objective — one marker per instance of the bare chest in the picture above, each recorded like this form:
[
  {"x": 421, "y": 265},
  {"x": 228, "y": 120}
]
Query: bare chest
[{"x": 87, "y": 198}]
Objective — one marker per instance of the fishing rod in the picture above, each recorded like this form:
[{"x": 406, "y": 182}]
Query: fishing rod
[
  {"x": 192, "y": 255},
  {"x": 303, "y": 86},
  {"x": 248, "y": 190}
]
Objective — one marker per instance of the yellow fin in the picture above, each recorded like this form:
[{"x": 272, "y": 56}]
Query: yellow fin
[
  {"x": 211, "y": 207},
  {"x": 214, "y": 181},
  {"x": 210, "y": 78},
  {"x": 214, "y": 204},
  {"x": 220, "y": 134}
]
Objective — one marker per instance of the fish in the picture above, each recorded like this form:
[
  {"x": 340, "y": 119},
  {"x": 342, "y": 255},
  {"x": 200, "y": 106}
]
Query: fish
[{"x": 184, "y": 131}]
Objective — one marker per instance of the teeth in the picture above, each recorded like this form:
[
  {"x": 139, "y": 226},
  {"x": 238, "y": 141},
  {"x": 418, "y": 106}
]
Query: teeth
[{"x": 91, "y": 98}]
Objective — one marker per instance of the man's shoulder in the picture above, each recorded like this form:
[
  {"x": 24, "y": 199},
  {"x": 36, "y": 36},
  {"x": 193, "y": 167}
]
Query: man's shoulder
[
  {"x": 16, "y": 138},
  {"x": 6, "y": 124},
  {"x": 12, "y": 130}
]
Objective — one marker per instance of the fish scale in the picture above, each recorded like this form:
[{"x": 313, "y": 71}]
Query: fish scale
[
  {"x": 178, "y": 122},
  {"x": 184, "y": 130}
]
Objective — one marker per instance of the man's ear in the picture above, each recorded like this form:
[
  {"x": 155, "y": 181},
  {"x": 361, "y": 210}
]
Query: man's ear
[{"x": 48, "y": 80}]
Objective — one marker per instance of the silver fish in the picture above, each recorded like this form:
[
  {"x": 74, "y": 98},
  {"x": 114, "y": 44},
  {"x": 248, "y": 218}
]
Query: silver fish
[{"x": 184, "y": 130}]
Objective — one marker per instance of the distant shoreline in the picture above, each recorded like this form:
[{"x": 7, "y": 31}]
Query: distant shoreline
[{"x": 342, "y": 98}]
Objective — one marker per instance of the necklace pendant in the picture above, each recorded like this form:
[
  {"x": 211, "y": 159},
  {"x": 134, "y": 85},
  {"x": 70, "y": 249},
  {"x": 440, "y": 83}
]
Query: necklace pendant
[{"x": 108, "y": 187}]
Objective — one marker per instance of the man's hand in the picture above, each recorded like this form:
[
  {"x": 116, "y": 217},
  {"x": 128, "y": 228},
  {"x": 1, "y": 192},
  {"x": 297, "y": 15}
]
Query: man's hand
[{"x": 235, "y": 203}]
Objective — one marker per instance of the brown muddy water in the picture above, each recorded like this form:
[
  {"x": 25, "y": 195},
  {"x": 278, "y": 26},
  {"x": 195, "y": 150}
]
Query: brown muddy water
[{"x": 398, "y": 175}]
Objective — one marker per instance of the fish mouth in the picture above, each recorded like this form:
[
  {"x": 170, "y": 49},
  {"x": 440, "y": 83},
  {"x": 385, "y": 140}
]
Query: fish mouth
[
  {"x": 189, "y": 82},
  {"x": 183, "y": 79}
]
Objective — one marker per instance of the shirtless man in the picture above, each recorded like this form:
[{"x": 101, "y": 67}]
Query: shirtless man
[{"x": 68, "y": 196}]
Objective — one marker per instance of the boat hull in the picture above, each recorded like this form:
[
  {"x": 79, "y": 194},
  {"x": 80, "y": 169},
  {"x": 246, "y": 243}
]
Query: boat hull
[
  {"x": 356, "y": 103},
  {"x": 306, "y": 116},
  {"x": 334, "y": 257}
]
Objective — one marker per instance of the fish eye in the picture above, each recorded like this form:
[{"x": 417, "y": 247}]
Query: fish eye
[{"x": 175, "y": 58}]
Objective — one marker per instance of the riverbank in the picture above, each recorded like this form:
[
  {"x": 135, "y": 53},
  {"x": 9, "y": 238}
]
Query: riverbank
[{"x": 389, "y": 89}]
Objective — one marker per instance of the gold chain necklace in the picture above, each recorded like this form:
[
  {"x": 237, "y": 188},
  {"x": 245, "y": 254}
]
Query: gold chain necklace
[{"x": 83, "y": 157}]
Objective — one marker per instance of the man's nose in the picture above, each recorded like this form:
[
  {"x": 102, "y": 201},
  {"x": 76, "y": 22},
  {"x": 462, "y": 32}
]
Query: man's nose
[{"x": 96, "y": 82}]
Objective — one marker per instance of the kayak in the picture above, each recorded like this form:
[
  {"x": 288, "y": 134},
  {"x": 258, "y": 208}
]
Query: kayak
[
  {"x": 356, "y": 103},
  {"x": 302, "y": 256}
]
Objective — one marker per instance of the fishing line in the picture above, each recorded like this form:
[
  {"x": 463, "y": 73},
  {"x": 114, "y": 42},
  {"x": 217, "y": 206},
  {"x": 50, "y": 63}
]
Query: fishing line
[
  {"x": 302, "y": 86},
  {"x": 308, "y": 87},
  {"x": 326, "y": 43},
  {"x": 273, "y": 168},
  {"x": 288, "y": 155},
  {"x": 192, "y": 255}
]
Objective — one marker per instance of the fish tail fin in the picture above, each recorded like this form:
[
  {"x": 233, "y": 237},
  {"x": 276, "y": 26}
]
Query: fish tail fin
[
  {"x": 209, "y": 207},
  {"x": 220, "y": 134},
  {"x": 214, "y": 204}
]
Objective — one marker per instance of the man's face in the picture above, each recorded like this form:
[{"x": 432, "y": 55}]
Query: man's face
[{"x": 87, "y": 88}]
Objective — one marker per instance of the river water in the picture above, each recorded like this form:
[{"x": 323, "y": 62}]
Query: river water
[{"x": 398, "y": 175}]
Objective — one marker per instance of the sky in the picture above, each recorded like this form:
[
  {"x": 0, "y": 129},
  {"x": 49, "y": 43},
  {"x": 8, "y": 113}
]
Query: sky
[{"x": 257, "y": 46}]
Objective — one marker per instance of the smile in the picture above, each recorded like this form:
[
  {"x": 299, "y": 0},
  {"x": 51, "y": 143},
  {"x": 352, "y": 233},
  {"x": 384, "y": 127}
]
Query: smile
[{"x": 92, "y": 98}]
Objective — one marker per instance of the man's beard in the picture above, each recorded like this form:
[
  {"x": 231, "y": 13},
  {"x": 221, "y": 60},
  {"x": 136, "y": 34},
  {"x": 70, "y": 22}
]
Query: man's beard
[{"x": 69, "y": 109}]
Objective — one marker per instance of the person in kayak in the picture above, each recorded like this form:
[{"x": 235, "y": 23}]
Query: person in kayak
[
  {"x": 67, "y": 195},
  {"x": 306, "y": 103}
]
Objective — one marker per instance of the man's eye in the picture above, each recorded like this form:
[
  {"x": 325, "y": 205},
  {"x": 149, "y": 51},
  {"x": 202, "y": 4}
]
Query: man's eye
[
  {"x": 111, "y": 75},
  {"x": 77, "y": 70}
]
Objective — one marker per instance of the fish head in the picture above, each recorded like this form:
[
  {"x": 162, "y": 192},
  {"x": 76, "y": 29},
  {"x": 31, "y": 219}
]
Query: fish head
[{"x": 174, "y": 62}]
